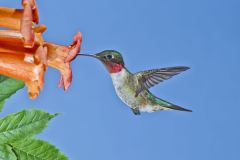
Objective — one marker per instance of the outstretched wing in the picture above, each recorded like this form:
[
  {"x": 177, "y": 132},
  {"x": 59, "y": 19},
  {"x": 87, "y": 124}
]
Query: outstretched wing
[{"x": 150, "y": 78}]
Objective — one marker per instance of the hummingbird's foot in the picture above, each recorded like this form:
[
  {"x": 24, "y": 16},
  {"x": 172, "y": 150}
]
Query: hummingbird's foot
[{"x": 135, "y": 111}]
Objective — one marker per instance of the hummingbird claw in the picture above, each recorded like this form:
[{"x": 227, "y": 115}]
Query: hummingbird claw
[{"x": 135, "y": 111}]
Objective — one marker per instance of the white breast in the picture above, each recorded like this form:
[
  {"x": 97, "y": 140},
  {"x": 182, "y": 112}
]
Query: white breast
[
  {"x": 122, "y": 89},
  {"x": 119, "y": 78}
]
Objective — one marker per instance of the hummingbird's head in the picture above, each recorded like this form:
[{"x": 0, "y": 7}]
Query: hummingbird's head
[{"x": 110, "y": 58}]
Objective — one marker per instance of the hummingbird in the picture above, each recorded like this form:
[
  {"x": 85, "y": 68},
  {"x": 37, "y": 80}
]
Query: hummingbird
[{"x": 133, "y": 88}]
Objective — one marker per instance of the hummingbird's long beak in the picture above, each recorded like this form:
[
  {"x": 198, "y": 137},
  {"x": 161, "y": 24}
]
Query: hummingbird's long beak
[{"x": 90, "y": 55}]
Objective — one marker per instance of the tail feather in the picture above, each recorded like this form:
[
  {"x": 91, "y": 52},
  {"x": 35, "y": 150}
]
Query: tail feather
[
  {"x": 175, "y": 107},
  {"x": 167, "y": 105}
]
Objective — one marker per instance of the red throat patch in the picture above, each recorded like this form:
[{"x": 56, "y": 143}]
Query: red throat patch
[{"x": 114, "y": 67}]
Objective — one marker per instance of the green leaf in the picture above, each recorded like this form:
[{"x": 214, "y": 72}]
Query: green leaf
[
  {"x": 8, "y": 86},
  {"x": 6, "y": 153},
  {"x": 23, "y": 124},
  {"x": 35, "y": 149}
]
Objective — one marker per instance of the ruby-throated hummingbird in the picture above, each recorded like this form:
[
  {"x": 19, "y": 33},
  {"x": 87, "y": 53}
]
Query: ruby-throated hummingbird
[{"x": 132, "y": 89}]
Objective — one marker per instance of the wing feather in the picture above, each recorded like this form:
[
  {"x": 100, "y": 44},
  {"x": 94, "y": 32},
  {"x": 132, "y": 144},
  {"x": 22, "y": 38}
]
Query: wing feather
[{"x": 150, "y": 78}]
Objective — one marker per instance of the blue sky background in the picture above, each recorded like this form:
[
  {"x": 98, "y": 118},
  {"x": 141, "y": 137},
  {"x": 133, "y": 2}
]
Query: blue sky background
[{"x": 96, "y": 125}]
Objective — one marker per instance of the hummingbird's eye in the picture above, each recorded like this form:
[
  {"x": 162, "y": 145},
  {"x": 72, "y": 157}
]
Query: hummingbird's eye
[{"x": 109, "y": 57}]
